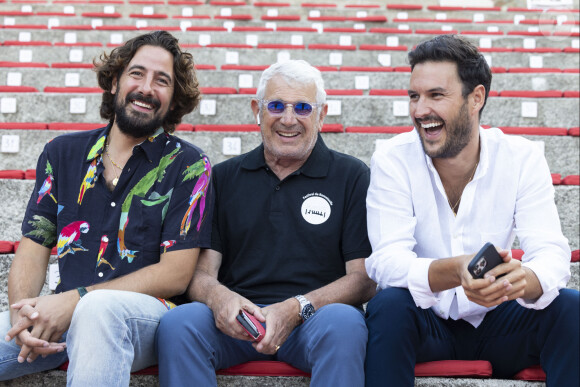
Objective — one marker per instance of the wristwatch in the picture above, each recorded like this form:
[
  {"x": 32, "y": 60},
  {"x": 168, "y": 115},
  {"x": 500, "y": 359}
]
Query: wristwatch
[{"x": 306, "y": 308}]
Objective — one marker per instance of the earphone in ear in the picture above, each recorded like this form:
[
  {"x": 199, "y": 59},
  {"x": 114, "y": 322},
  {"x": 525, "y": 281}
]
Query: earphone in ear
[{"x": 258, "y": 119}]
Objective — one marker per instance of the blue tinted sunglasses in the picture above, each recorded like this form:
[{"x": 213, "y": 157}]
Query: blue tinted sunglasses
[{"x": 277, "y": 107}]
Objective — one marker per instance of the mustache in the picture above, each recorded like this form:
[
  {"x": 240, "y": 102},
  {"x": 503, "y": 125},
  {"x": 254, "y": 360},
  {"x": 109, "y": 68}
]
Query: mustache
[
  {"x": 428, "y": 118},
  {"x": 141, "y": 98}
]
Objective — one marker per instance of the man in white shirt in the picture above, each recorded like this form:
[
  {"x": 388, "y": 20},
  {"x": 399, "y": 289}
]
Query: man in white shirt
[{"x": 437, "y": 194}]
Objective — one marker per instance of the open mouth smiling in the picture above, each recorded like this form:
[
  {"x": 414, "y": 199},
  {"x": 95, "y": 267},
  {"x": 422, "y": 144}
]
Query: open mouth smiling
[
  {"x": 288, "y": 135},
  {"x": 142, "y": 104}
]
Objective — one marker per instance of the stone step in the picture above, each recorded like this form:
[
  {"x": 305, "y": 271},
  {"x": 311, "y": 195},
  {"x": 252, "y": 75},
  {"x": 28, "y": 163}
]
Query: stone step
[
  {"x": 354, "y": 56},
  {"x": 347, "y": 110},
  {"x": 56, "y": 77},
  {"x": 58, "y": 378}
]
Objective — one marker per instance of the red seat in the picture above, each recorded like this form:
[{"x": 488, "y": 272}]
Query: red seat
[
  {"x": 184, "y": 128},
  {"x": 373, "y": 69},
  {"x": 345, "y": 30},
  {"x": 318, "y": 5},
  {"x": 227, "y": 128},
  {"x": 51, "y": 89},
  {"x": 574, "y": 131},
  {"x": 531, "y": 93},
  {"x": 575, "y": 256},
  {"x": 391, "y": 92},
  {"x": 327, "y": 18},
  {"x": 405, "y": 6},
  {"x": 281, "y": 18},
  {"x": 74, "y": 126},
  {"x": 383, "y": 30},
  {"x": 18, "y": 89},
  {"x": 69, "y": 65},
  {"x": 331, "y": 47},
  {"x": 434, "y": 32},
  {"x": 229, "y": 45},
  {"x": 270, "y": 4},
  {"x": 381, "y": 47},
  {"x": 6, "y": 247},
  {"x": 252, "y": 29},
  {"x": 79, "y": 44},
  {"x": 218, "y": 90},
  {"x": 22, "y": 64},
  {"x": 535, "y": 373},
  {"x": 31, "y": 43},
  {"x": 571, "y": 94},
  {"x": 114, "y": 15},
  {"x": 23, "y": 125},
  {"x": 571, "y": 180},
  {"x": 344, "y": 92},
  {"x": 145, "y": 16},
  {"x": 332, "y": 128},
  {"x": 534, "y": 70},
  {"x": 277, "y": 46},
  {"x": 30, "y": 174},
  {"x": 233, "y": 17},
  {"x": 534, "y": 131},
  {"x": 12, "y": 174},
  {"x": 378, "y": 129},
  {"x": 244, "y": 67}
]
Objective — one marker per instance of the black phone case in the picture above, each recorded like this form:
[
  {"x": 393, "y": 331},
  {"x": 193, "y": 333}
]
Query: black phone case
[{"x": 486, "y": 259}]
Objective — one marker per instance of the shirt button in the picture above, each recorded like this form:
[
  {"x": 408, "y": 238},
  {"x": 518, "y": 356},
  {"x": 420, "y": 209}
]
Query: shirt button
[
  {"x": 101, "y": 274},
  {"x": 277, "y": 188},
  {"x": 113, "y": 204},
  {"x": 128, "y": 169}
]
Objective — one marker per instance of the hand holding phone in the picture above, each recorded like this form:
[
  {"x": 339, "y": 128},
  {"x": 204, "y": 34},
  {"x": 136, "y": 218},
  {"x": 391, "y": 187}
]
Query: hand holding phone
[
  {"x": 251, "y": 325},
  {"x": 486, "y": 259}
]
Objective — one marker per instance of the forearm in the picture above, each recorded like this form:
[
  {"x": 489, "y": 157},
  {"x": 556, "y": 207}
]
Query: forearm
[
  {"x": 353, "y": 289},
  {"x": 28, "y": 271},
  {"x": 167, "y": 278},
  {"x": 533, "y": 289},
  {"x": 205, "y": 288},
  {"x": 445, "y": 273}
]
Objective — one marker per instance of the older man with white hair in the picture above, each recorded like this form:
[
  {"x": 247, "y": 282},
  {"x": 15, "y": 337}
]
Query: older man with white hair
[{"x": 289, "y": 241}]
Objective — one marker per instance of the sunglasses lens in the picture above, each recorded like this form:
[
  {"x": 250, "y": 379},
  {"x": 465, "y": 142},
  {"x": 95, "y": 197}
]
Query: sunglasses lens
[
  {"x": 276, "y": 107},
  {"x": 303, "y": 109}
]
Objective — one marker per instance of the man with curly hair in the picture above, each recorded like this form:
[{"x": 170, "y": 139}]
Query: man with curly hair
[{"x": 128, "y": 207}]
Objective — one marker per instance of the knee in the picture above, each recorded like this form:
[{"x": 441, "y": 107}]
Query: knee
[
  {"x": 390, "y": 302},
  {"x": 98, "y": 306},
  {"x": 566, "y": 306},
  {"x": 343, "y": 325},
  {"x": 186, "y": 320}
]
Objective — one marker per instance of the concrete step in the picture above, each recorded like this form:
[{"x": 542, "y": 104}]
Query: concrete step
[
  {"x": 316, "y": 57},
  {"x": 58, "y": 378},
  {"x": 347, "y": 110},
  {"x": 57, "y": 77}
]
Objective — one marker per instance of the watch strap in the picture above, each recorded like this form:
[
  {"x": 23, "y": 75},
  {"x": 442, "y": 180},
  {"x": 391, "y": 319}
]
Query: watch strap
[{"x": 82, "y": 291}]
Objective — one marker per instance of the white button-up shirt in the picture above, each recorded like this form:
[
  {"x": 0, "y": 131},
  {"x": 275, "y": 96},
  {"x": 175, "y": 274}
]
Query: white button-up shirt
[{"x": 410, "y": 222}]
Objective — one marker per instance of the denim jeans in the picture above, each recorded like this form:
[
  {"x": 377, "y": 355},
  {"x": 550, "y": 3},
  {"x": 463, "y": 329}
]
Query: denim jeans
[
  {"x": 112, "y": 334},
  {"x": 331, "y": 345}
]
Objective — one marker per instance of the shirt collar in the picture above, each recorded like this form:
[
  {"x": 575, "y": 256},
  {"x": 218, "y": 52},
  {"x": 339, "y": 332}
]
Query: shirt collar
[
  {"x": 316, "y": 165},
  {"x": 149, "y": 146}
]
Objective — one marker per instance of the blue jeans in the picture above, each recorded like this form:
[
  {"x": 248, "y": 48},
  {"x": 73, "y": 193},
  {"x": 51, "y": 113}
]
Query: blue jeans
[
  {"x": 112, "y": 333},
  {"x": 331, "y": 345},
  {"x": 510, "y": 337}
]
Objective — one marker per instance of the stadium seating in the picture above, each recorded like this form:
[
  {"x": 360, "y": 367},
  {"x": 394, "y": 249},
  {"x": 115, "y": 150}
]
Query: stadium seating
[{"x": 47, "y": 87}]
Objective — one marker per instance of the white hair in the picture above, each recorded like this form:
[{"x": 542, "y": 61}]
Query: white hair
[{"x": 298, "y": 71}]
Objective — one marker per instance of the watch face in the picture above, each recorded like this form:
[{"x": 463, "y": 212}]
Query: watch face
[{"x": 307, "y": 311}]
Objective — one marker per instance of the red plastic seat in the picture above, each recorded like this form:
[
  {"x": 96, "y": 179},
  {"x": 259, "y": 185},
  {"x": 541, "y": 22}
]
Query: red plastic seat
[
  {"x": 391, "y": 92},
  {"x": 6, "y": 247},
  {"x": 218, "y": 90},
  {"x": 534, "y": 130},
  {"x": 51, "y": 89},
  {"x": 23, "y": 125},
  {"x": 332, "y": 128},
  {"x": 331, "y": 47},
  {"x": 74, "y": 126},
  {"x": 556, "y": 178},
  {"x": 227, "y": 128},
  {"x": 531, "y": 93},
  {"x": 378, "y": 129},
  {"x": 571, "y": 180},
  {"x": 344, "y": 92},
  {"x": 12, "y": 174},
  {"x": 18, "y": 89}
]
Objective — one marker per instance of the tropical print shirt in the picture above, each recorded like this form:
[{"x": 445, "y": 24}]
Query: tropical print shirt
[{"x": 163, "y": 201}]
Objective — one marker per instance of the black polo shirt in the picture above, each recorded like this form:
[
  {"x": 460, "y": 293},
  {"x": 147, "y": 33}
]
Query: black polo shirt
[{"x": 283, "y": 238}]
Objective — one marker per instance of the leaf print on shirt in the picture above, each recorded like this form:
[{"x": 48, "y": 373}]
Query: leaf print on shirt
[
  {"x": 43, "y": 228},
  {"x": 140, "y": 190}
]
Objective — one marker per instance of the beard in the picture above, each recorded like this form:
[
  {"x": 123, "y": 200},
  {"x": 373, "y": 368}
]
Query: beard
[
  {"x": 133, "y": 123},
  {"x": 458, "y": 135}
]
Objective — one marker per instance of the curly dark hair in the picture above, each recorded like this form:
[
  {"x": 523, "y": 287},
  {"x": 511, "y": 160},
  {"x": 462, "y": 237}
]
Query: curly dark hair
[
  {"x": 186, "y": 94},
  {"x": 472, "y": 67}
]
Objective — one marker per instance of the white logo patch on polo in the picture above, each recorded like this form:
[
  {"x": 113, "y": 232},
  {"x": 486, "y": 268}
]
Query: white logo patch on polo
[{"x": 316, "y": 208}]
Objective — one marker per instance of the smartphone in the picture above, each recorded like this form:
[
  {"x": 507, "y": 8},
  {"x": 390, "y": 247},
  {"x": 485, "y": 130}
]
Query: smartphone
[
  {"x": 486, "y": 259},
  {"x": 251, "y": 325}
]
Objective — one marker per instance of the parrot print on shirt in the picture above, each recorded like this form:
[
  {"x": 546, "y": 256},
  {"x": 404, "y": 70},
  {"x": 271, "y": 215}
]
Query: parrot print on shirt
[{"x": 69, "y": 239}]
